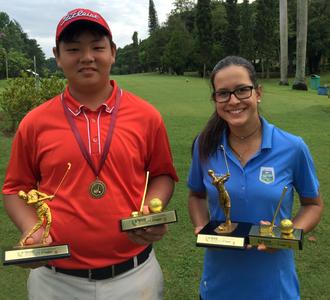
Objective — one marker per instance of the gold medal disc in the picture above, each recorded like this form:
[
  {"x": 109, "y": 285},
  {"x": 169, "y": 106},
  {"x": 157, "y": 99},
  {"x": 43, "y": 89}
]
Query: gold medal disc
[{"x": 97, "y": 189}]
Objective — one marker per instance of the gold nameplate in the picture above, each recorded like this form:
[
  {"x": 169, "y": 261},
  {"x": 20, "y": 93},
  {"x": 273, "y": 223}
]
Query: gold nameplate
[
  {"x": 33, "y": 254},
  {"x": 152, "y": 219},
  {"x": 276, "y": 239},
  {"x": 220, "y": 241}
]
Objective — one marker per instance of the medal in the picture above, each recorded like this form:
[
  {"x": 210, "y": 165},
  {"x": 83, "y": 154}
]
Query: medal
[{"x": 97, "y": 189}]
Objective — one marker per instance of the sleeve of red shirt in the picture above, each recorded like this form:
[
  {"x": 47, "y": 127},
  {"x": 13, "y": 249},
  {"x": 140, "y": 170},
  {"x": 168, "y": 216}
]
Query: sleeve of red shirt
[
  {"x": 22, "y": 169},
  {"x": 161, "y": 161}
]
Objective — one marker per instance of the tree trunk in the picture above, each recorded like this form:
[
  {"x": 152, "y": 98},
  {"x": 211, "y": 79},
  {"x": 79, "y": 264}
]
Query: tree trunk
[
  {"x": 284, "y": 42},
  {"x": 302, "y": 20}
]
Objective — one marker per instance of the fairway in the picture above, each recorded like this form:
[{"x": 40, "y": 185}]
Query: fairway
[{"x": 185, "y": 105}]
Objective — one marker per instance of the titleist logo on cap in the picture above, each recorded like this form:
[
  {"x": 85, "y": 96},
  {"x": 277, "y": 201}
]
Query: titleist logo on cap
[{"x": 79, "y": 13}]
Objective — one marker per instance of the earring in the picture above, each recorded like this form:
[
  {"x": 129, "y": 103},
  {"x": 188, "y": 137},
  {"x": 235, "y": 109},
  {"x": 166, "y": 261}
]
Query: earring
[{"x": 258, "y": 100}]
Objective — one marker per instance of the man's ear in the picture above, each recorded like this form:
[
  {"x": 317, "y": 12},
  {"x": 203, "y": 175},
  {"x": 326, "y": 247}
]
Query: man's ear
[
  {"x": 113, "y": 52},
  {"x": 56, "y": 55}
]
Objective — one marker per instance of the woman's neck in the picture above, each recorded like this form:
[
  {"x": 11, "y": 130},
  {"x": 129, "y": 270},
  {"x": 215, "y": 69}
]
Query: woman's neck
[
  {"x": 245, "y": 143},
  {"x": 246, "y": 132}
]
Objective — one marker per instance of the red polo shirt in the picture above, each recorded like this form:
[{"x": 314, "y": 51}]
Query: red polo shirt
[{"x": 44, "y": 144}]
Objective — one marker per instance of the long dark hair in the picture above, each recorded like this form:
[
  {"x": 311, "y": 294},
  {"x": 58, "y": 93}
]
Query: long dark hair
[{"x": 212, "y": 132}]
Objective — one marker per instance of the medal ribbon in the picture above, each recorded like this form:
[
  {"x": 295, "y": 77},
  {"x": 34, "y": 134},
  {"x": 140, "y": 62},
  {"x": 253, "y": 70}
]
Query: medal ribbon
[{"x": 80, "y": 142}]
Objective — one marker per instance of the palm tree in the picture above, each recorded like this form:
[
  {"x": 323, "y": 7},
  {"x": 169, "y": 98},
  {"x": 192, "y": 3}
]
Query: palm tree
[
  {"x": 284, "y": 42},
  {"x": 302, "y": 19}
]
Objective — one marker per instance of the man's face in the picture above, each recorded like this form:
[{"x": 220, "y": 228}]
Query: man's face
[{"x": 86, "y": 61}]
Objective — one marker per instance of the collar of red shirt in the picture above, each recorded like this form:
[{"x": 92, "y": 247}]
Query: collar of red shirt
[{"x": 76, "y": 108}]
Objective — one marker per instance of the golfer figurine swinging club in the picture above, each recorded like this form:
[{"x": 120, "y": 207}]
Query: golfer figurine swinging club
[
  {"x": 37, "y": 199},
  {"x": 224, "y": 198}
]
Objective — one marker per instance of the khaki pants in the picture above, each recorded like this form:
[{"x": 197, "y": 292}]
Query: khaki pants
[{"x": 145, "y": 282}]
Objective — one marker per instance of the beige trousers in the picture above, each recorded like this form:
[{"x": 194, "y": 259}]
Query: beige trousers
[{"x": 145, "y": 282}]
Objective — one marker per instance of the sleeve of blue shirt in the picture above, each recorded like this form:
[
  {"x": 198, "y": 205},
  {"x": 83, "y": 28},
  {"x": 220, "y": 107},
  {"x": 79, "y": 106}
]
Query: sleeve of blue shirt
[
  {"x": 305, "y": 179},
  {"x": 195, "y": 177}
]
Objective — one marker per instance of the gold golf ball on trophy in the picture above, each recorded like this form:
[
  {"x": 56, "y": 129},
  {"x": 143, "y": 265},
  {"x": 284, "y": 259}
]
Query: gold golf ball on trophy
[
  {"x": 286, "y": 226},
  {"x": 155, "y": 205}
]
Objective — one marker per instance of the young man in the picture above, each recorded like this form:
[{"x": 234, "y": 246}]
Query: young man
[{"x": 111, "y": 138}]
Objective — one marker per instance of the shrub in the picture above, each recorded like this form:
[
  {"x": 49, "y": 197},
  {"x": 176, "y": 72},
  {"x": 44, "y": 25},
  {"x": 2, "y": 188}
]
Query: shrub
[{"x": 23, "y": 94}]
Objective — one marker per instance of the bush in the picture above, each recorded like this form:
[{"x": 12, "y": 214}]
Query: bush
[{"x": 23, "y": 94}]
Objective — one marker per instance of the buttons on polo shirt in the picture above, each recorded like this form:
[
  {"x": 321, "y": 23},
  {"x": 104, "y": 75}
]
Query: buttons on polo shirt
[
  {"x": 94, "y": 140},
  {"x": 93, "y": 120}
]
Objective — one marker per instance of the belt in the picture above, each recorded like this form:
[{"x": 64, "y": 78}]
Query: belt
[{"x": 107, "y": 272}]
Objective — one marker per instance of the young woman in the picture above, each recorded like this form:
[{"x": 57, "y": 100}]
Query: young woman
[{"x": 262, "y": 160}]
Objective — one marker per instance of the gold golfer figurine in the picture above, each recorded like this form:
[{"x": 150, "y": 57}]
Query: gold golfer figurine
[
  {"x": 224, "y": 200},
  {"x": 37, "y": 199}
]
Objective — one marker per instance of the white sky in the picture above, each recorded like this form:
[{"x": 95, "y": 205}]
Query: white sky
[{"x": 39, "y": 18}]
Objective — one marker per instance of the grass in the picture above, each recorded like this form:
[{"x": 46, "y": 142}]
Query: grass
[{"x": 185, "y": 106}]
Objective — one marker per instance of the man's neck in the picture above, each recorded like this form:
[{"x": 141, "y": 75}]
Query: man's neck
[{"x": 91, "y": 98}]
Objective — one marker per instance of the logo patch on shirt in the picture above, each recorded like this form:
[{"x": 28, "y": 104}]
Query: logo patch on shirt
[{"x": 267, "y": 175}]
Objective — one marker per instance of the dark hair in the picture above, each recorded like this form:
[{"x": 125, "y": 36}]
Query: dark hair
[
  {"x": 75, "y": 29},
  {"x": 210, "y": 136}
]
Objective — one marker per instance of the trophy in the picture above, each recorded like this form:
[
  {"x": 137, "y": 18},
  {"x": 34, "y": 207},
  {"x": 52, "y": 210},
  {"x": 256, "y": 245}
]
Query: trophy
[
  {"x": 140, "y": 219},
  {"x": 22, "y": 253},
  {"x": 272, "y": 236},
  {"x": 223, "y": 234}
]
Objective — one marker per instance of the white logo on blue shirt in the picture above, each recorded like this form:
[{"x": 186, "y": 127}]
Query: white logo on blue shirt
[{"x": 267, "y": 175}]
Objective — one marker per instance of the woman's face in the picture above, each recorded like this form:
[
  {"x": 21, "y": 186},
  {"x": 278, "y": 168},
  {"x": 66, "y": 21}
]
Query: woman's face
[{"x": 236, "y": 112}]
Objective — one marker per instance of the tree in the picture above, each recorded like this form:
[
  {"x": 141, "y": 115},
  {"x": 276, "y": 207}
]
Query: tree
[
  {"x": 265, "y": 35},
  {"x": 181, "y": 6},
  {"x": 18, "y": 48},
  {"x": 134, "y": 59},
  {"x": 154, "y": 49},
  {"x": 231, "y": 41},
  {"x": 302, "y": 21},
  {"x": 17, "y": 63},
  {"x": 153, "y": 19},
  {"x": 318, "y": 37},
  {"x": 284, "y": 42},
  {"x": 219, "y": 23},
  {"x": 178, "y": 49},
  {"x": 246, "y": 39},
  {"x": 185, "y": 10},
  {"x": 51, "y": 66},
  {"x": 204, "y": 34},
  {"x": 31, "y": 50}
]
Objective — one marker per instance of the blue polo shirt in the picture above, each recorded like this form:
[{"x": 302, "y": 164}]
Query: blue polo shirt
[{"x": 255, "y": 190}]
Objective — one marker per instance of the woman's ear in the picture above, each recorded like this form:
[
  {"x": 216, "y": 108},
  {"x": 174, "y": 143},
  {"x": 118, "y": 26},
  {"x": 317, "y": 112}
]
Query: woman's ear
[{"x": 258, "y": 90}]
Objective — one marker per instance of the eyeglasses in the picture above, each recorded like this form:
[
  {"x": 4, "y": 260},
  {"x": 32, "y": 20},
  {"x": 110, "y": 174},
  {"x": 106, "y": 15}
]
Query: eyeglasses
[{"x": 241, "y": 93}]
